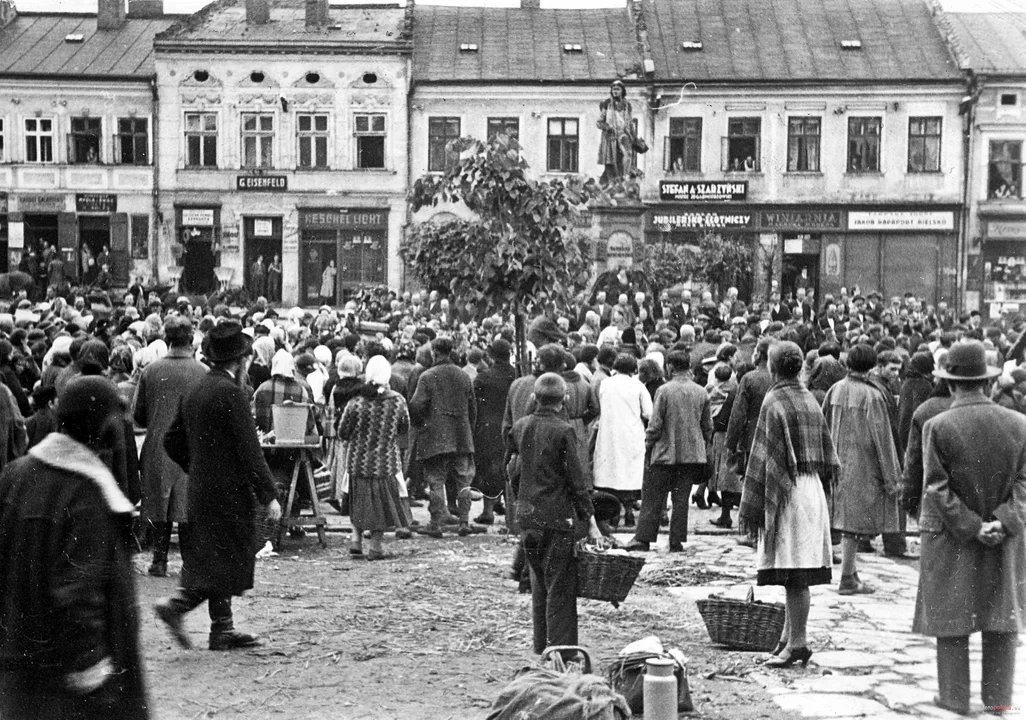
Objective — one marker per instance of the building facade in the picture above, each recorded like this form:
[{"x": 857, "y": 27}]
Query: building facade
[
  {"x": 283, "y": 165},
  {"x": 990, "y": 49},
  {"x": 76, "y": 141},
  {"x": 833, "y": 147}
]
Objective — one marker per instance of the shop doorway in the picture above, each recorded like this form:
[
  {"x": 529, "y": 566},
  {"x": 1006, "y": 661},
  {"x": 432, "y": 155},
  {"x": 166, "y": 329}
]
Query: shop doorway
[
  {"x": 320, "y": 252},
  {"x": 198, "y": 262},
  {"x": 40, "y": 245},
  {"x": 800, "y": 271},
  {"x": 93, "y": 246},
  {"x": 263, "y": 257}
]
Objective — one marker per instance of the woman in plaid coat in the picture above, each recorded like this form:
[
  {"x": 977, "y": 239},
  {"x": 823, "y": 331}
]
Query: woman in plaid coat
[
  {"x": 789, "y": 469},
  {"x": 371, "y": 423}
]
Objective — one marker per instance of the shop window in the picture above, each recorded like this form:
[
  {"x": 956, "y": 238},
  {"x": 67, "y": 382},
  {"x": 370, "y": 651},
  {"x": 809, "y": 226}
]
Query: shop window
[
  {"x": 441, "y": 132},
  {"x": 1005, "y": 173},
  {"x": 508, "y": 126},
  {"x": 139, "y": 238},
  {"x": 924, "y": 143},
  {"x": 84, "y": 140},
  {"x": 132, "y": 142},
  {"x": 312, "y": 133},
  {"x": 370, "y": 141},
  {"x": 563, "y": 145},
  {"x": 864, "y": 144},
  {"x": 201, "y": 139},
  {"x": 257, "y": 140},
  {"x": 803, "y": 134},
  {"x": 742, "y": 146},
  {"x": 39, "y": 140},
  {"x": 682, "y": 151}
]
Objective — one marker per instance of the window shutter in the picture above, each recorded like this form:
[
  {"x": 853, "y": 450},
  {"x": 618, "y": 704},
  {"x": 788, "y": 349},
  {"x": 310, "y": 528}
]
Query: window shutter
[
  {"x": 725, "y": 154},
  {"x": 666, "y": 154},
  {"x": 67, "y": 242},
  {"x": 119, "y": 248},
  {"x": 758, "y": 153}
]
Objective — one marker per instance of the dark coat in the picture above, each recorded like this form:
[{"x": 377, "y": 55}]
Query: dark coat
[
  {"x": 162, "y": 385},
  {"x": 491, "y": 386},
  {"x": 214, "y": 439},
  {"x": 744, "y": 414},
  {"x": 67, "y": 594},
  {"x": 914, "y": 392},
  {"x": 444, "y": 410},
  {"x": 975, "y": 460}
]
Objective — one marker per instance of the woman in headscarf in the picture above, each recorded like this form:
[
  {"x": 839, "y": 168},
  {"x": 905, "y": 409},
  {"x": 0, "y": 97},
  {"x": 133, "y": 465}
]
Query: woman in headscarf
[
  {"x": 260, "y": 368},
  {"x": 350, "y": 369},
  {"x": 371, "y": 423},
  {"x": 826, "y": 372},
  {"x": 789, "y": 470},
  {"x": 592, "y": 326}
]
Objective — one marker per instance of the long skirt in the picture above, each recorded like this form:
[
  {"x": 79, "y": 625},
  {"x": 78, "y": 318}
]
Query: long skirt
[
  {"x": 337, "y": 463},
  {"x": 375, "y": 504},
  {"x": 800, "y": 553},
  {"x": 724, "y": 476}
]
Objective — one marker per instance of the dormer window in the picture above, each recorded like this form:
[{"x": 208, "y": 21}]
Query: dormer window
[
  {"x": 573, "y": 48},
  {"x": 692, "y": 45},
  {"x": 851, "y": 44},
  {"x": 468, "y": 47}
]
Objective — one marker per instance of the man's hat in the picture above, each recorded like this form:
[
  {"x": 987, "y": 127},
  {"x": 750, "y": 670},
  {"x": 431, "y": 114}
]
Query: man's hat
[
  {"x": 966, "y": 361},
  {"x": 226, "y": 341}
]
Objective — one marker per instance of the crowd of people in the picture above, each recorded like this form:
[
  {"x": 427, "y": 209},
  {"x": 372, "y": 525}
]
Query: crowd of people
[{"x": 818, "y": 420}]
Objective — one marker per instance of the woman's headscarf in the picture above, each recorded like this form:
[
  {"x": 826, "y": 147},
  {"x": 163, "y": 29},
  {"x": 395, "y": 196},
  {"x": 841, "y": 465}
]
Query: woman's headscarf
[
  {"x": 61, "y": 346},
  {"x": 283, "y": 365},
  {"x": 349, "y": 366},
  {"x": 378, "y": 371},
  {"x": 263, "y": 351}
]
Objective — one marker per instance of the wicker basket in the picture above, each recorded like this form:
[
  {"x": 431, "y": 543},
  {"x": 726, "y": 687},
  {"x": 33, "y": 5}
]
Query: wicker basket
[
  {"x": 605, "y": 576},
  {"x": 744, "y": 624}
]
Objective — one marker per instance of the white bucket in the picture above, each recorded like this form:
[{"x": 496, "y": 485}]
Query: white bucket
[{"x": 290, "y": 422}]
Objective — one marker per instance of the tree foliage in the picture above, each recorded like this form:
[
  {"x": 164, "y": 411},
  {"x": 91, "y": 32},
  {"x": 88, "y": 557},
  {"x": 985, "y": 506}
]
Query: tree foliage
[
  {"x": 667, "y": 264},
  {"x": 720, "y": 262},
  {"x": 522, "y": 242}
]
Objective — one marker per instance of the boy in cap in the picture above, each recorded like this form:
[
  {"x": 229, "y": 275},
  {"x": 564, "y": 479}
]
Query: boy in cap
[{"x": 552, "y": 499}]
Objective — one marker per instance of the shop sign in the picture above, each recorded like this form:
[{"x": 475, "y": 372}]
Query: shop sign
[
  {"x": 95, "y": 202},
  {"x": 16, "y": 235},
  {"x": 263, "y": 228},
  {"x": 620, "y": 248},
  {"x": 343, "y": 218},
  {"x": 1006, "y": 229},
  {"x": 230, "y": 237},
  {"x": 703, "y": 221},
  {"x": 801, "y": 220},
  {"x": 261, "y": 183},
  {"x": 687, "y": 191},
  {"x": 3, "y": 202},
  {"x": 40, "y": 203},
  {"x": 901, "y": 220},
  {"x": 198, "y": 217}
]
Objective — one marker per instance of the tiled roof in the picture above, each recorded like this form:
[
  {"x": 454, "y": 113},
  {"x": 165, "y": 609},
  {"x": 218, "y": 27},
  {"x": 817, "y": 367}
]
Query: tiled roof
[
  {"x": 35, "y": 45},
  {"x": 518, "y": 44},
  {"x": 797, "y": 40},
  {"x": 224, "y": 22},
  {"x": 991, "y": 42}
]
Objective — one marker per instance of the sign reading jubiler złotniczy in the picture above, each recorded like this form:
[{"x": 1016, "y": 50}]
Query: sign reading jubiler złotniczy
[
  {"x": 685, "y": 191},
  {"x": 900, "y": 220},
  {"x": 703, "y": 221}
]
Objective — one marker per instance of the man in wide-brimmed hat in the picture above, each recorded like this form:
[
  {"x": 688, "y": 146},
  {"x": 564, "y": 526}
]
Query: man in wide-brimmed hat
[
  {"x": 973, "y": 524},
  {"x": 214, "y": 439}
]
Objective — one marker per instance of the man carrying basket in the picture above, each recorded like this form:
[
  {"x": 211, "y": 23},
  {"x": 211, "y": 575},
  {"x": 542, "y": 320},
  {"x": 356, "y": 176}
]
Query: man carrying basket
[{"x": 552, "y": 498}]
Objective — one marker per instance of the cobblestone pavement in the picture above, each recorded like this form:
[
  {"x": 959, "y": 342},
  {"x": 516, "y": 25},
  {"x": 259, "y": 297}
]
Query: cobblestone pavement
[{"x": 866, "y": 661}]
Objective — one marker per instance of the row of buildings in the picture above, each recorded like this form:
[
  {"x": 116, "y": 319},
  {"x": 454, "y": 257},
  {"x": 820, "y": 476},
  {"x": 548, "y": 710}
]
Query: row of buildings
[{"x": 871, "y": 143}]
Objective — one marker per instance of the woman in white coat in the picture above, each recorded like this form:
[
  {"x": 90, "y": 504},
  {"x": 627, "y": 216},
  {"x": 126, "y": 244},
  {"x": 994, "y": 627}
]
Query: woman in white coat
[{"x": 624, "y": 406}]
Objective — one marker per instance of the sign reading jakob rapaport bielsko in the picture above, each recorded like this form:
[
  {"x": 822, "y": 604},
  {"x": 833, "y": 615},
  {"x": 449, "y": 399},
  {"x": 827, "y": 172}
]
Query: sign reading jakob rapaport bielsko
[
  {"x": 257, "y": 183},
  {"x": 688, "y": 191}
]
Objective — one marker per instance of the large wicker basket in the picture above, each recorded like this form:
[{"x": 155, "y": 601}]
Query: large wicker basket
[
  {"x": 744, "y": 624},
  {"x": 606, "y": 576}
]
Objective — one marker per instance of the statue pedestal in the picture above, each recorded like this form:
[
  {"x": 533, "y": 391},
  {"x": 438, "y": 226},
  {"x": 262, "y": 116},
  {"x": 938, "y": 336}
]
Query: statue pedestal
[{"x": 619, "y": 232}]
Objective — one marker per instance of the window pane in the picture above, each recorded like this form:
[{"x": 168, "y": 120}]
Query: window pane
[
  {"x": 210, "y": 122},
  {"x": 266, "y": 123},
  {"x": 46, "y": 148},
  {"x": 370, "y": 151},
  {"x": 304, "y": 123},
  {"x": 304, "y": 151},
  {"x": 361, "y": 123},
  {"x": 555, "y": 127},
  {"x": 378, "y": 124},
  {"x": 321, "y": 122},
  {"x": 210, "y": 151},
  {"x": 30, "y": 125},
  {"x": 266, "y": 159},
  {"x": 322, "y": 151},
  {"x": 570, "y": 127},
  {"x": 193, "y": 150}
]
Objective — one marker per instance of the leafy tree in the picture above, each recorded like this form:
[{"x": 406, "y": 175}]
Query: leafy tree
[
  {"x": 666, "y": 264},
  {"x": 521, "y": 244},
  {"x": 720, "y": 262}
]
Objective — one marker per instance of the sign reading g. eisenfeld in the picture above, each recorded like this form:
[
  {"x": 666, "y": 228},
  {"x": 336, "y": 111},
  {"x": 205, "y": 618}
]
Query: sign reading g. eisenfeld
[
  {"x": 257, "y": 183},
  {"x": 686, "y": 191}
]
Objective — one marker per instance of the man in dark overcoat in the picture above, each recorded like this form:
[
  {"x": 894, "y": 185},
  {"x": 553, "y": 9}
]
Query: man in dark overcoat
[
  {"x": 491, "y": 386},
  {"x": 214, "y": 439},
  {"x": 444, "y": 410},
  {"x": 162, "y": 385},
  {"x": 973, "y": 524},
  {"x": 69, "y": 630}
]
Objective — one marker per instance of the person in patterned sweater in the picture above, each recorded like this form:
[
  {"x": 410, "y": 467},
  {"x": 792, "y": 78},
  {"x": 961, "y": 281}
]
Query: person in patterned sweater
[{"x": 372, "y": 422}]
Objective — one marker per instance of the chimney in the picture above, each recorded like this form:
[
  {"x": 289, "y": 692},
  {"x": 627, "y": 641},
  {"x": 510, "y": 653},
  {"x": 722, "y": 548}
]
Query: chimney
[
  {"x": 530, "y": 4},
  {"x": 258, "y": 12},
  {"x": 148, "y": 9},
  {"x": 316, "y": 13},
  {"x": 110, "y": 14}
]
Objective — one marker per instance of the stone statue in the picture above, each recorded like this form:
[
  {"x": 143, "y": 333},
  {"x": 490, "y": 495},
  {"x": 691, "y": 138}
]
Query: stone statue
[{"x": 616, "y": 150}]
